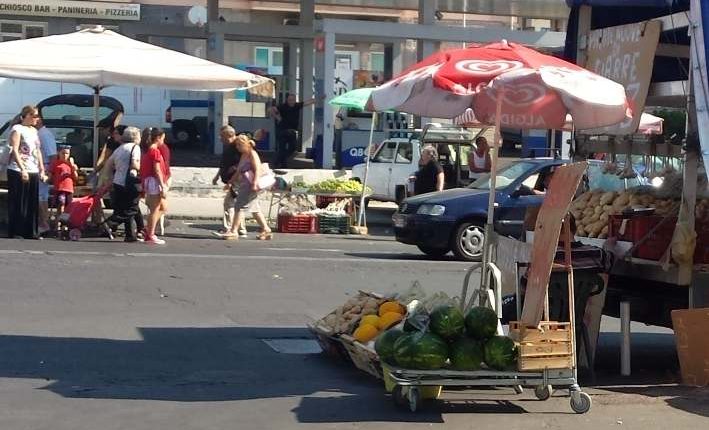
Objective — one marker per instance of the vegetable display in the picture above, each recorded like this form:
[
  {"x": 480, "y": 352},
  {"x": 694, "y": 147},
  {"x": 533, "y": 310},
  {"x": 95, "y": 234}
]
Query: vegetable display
[
  {"x": 337, "y": 186},
  {"x": 592, "y": 210}
]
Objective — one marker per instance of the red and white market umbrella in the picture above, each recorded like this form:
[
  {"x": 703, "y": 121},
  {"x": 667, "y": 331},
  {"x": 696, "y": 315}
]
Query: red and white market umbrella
[
  {"x": 537, "y": 91},
  {"x": 505, "y": 84},
  {"x": 649, "y": 124}
]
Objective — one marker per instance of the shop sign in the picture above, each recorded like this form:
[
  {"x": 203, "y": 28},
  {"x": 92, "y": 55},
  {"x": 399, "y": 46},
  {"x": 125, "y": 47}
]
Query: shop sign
[
  {"x": 71, "y": 9},
  {"x": 625, "y": 55}
]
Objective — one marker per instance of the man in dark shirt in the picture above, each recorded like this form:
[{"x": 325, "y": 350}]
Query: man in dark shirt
[
  {"x": 287, "y": 116},
  {"x": 227, "y": 168},
  {"x": 430, "y": 176}
]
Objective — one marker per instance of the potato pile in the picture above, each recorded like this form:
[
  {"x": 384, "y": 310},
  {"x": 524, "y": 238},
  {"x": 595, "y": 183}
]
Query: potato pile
[
  {"x": 593, "y": 209},
  {"x": 343, "y": 319}
]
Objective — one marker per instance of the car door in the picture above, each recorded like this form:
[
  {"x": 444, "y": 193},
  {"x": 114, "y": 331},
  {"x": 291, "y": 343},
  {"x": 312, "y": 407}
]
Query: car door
[
  {"x": 402, "y": 168},
  {"x": 380, "y": 169},
  {"x": 513, "y": 207}
]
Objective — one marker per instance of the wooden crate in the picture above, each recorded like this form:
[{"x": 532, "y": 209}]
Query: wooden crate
[
  {"x": 545, "y": 347},
  {"x": 363, "y": 357}
]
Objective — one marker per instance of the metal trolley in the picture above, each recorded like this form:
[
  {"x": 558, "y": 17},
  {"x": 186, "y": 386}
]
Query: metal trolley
[{"x": 410, "y": 383}]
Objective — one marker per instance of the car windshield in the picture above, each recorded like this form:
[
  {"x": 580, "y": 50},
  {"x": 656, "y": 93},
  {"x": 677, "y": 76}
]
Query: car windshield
[
  {"x": 505, "y": 176},
  {"x": 597, "y": 180}
]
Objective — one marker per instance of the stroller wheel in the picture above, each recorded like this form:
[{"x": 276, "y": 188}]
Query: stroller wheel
[{"x": 74, "y": 234}]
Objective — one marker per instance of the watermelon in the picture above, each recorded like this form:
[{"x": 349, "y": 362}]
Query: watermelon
[
  {"x": 448, "y": 322},
  {"x": 466, "y": 354},
  {"x": 384, "y": 344},
  {"x": 423, "y": 351},
  {"x": 481, "y": 323},
  {"x": 500, "y": 353}
]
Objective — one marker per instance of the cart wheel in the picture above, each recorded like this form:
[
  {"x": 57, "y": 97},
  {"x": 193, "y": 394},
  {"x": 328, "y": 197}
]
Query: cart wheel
[
  {"x": 580, "y": 402},
  {"x": 518, "y": 389},
  {"x": 397, "y": 394},
  {"x": 74, "y": 234},
  {"x": 414, "y": 398},
  {"x": 543, "y": 392}
]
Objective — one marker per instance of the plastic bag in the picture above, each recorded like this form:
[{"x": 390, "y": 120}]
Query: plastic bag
[
  {"x": 440, "y": 299},
  {"x": 414, "y": 292},
  {"x": 417, "y": 317},
  {"x": 683, "y": 243}
]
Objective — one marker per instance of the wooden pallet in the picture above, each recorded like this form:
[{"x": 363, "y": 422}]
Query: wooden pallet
[{"x": 547, "y": 346}]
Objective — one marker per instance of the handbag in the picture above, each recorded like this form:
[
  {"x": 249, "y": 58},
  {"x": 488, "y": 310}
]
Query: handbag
[
  {"x": 267, "y": 178},
  {"x": 132, "y": 181}
]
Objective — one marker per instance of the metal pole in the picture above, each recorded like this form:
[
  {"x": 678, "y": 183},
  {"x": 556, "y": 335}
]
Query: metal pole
[
  {"x": 360, "y": 219},
  {"x": 96, "y": 109},
  {"x": 491, "y": 199},
  {"x": 625, "y": 342}
]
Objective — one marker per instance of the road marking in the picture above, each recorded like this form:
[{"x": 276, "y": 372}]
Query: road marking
[
  {"x": 309, "y": 249},
  {"x": 234, "y": 257}
]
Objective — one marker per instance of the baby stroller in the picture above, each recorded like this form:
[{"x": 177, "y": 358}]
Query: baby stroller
[{"x": 77, "y": 213}]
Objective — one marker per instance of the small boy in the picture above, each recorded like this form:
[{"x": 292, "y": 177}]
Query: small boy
[{"x": 63, "y": 173}]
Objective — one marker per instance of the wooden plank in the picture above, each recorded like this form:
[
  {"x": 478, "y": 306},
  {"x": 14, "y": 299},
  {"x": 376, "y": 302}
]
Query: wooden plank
[
  {"x": 556, "y": 205},
  {"x": 545, "y": 349},
  {"x": 544, "y": 363},
  {"x": 552, "y": 336},
  {"x": 690, "y": 327},
  {"x": 547, "y": 331}
]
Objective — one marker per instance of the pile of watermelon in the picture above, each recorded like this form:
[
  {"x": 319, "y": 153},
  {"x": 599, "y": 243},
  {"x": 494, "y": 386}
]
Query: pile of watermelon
[{"x": 447, "y": 338}]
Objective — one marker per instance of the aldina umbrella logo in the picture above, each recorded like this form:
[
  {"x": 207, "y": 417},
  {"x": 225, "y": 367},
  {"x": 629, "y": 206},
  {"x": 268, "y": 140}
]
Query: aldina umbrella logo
[
  {"x": 415, "y": 74},
  {"x": 485, "y": 68}
]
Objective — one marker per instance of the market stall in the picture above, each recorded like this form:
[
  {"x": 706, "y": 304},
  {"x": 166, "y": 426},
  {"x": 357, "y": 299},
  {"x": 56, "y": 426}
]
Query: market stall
[
  {"x": 495, "y": 79},
  {"x": 329, "y": 206}
]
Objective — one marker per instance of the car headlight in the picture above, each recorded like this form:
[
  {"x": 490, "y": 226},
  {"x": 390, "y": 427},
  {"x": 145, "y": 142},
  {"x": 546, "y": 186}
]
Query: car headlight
[{"x": 433, "y": 210}]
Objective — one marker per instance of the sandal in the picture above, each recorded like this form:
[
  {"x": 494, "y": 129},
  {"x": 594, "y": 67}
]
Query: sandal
[
  {"x": 226, "y": 236},
  {"x": 265, "y": 235}
]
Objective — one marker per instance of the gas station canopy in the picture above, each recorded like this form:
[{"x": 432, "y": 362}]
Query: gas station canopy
[{"x": 547, "y": 9}]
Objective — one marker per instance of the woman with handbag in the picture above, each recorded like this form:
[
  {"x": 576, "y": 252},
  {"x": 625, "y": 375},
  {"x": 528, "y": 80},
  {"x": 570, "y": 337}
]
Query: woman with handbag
[
  {"x": 124, "y": 162},
  {"x": 251, "y": 178}
]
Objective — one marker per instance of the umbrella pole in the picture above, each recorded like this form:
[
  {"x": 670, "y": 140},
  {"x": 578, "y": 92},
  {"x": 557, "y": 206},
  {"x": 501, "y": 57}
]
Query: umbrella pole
[
  {"x": 96, "y": 109},
  {"x": 489, "y": 227},
  {"x": 360, "y": 219}
]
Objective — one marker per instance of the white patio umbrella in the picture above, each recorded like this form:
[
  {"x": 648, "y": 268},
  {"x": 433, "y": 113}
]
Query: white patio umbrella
[{"x": 100, "y": 58}]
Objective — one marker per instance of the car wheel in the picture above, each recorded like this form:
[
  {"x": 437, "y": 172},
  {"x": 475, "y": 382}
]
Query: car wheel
[
  {"x": 184, "y": 132},
  {"x": 468, "y": 242},
  {"x": 433, "y": 252}
]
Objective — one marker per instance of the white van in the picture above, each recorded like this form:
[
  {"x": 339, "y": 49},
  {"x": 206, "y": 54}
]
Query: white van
[{"x": 397, "y": 158}]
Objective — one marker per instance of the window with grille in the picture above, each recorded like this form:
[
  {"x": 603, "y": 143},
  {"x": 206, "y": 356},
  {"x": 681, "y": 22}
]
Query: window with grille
[{"x": 16, "y": 30}]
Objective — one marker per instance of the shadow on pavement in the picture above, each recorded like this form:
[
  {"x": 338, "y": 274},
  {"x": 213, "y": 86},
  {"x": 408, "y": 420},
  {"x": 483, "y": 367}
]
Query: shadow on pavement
[
  {"x": 655, "y": 373},
  {"x": 177, "y": 364},
  {"x": 378, "y": 407},
  {"x": 400, "y": 256}
]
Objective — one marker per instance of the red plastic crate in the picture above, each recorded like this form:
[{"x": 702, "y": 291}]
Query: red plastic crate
[
  {"x": 305, "y": 224},
  {"x": 654, "y": 247}
]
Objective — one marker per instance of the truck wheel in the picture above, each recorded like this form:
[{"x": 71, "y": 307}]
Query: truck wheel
[
  {"x": 184, "y": 132},
  {"x": 468, "y": 242}
]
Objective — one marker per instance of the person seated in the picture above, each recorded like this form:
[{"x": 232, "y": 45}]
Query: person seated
[{"x": 541, "y": 188}]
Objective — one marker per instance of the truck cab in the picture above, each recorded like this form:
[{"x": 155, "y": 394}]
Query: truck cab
[{"x": 397, "y": 158}]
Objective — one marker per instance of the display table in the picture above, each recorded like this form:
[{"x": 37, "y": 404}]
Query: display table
[{"x": 321, "y": 201}]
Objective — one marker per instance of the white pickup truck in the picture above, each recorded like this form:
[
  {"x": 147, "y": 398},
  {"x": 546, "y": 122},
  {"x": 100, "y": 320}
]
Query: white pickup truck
[{"x": 397, "y": 158}]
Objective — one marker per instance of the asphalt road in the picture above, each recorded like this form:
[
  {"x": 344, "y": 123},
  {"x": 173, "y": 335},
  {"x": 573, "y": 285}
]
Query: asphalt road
[{"x": 108, "y": 335}]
